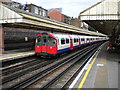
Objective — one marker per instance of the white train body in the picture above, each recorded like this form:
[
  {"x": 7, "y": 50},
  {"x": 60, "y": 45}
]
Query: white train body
[{"x": 58, "y": 43}]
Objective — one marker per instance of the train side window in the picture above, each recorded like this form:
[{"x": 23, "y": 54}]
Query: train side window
[
  {"x": 82, "y": 39},
  {"x": 62, "y": 41},
  {"x": 67, "y": 40},
  {"x": 75, "y": 40}
]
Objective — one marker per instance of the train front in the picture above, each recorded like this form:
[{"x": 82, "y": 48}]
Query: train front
[{"x": 46, "y": 45}]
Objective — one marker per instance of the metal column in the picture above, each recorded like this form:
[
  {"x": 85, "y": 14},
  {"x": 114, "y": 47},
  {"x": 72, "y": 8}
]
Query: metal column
[{"x": 1, "y": 39}]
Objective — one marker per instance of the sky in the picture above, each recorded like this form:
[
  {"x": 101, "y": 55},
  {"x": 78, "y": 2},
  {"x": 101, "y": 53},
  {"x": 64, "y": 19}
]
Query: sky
[{"x": 70, "y": 8}]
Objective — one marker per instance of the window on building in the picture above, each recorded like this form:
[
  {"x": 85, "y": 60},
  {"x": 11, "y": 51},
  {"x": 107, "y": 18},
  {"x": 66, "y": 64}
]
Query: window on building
[
  {"x": 36, "y": 10},
  {"x": 44, "y": 13}
]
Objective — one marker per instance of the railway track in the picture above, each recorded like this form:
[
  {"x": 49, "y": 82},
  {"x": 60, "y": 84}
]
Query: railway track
[
  {"x": 36, "y": 69},
  {"x": 15, "y": 71},
  {"x": 65, "y": 79},
  {"x": 61, "y": 75}
]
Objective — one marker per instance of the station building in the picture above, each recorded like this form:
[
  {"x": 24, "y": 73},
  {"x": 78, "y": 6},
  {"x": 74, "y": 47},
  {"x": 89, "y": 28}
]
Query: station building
[{"x": 18, "y": 28}]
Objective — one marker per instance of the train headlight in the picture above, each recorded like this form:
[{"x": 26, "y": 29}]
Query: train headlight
[{"x": 50, "y": 47}]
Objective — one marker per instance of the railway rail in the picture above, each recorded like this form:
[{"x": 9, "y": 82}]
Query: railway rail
[
  {"x": 64, "y": 72},
  {"x": 13, "y": 70},
  {"x": 36, "y": 69}
]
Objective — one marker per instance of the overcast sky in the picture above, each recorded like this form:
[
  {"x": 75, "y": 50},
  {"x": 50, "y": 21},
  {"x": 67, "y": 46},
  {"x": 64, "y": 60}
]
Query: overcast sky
[{"x": 70, "y": 8}]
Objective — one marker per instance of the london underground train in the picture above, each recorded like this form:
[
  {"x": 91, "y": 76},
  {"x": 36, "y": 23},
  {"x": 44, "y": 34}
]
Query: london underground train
[{"x": 49, "y": 44}]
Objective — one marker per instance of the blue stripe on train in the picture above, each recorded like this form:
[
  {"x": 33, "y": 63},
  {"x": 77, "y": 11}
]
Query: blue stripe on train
[
  {"x": 81, "y": 44},
  {"x": 66, "y": 49},
  {"x": 75, "y": 46},
  {"x": 63, "y": 50}
]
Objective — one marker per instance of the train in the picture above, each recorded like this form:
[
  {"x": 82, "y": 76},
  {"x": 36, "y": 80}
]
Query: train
[{"x": 50, "y": 44}]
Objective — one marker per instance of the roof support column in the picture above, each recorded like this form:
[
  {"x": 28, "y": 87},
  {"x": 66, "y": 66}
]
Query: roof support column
[{"x": 1, "y": 39}]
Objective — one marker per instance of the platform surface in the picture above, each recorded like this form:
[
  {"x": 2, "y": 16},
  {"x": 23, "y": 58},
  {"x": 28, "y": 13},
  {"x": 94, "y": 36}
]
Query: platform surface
[
  {"x": 104, "y": 72},
  {"x": 15, "y": 55}
]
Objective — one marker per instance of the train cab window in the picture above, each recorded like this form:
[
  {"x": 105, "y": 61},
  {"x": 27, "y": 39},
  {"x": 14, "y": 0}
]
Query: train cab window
[
  {"x": 62, "y": 41},
  {"x": 67, "y": 40},
  {"x": 38, "y": 40},
  {"x": 51, "y": 41},
  {"x": 44, "y": 39},
  {"x": 41, "y": 40}
]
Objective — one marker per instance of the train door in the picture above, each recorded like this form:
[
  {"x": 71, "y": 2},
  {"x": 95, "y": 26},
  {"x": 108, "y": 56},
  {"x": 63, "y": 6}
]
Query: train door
[
  {"x": 71, "y": 44},
  {"x": 41, "y": 44},
  {"x": 37, "y": 45},
  {"x": 52, "y": 45},
  {"x": 44, "y": 43}
]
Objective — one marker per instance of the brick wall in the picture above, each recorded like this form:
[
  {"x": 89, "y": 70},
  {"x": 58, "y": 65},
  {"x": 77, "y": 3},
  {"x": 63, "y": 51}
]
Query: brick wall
[{"x": 55, "y": 14}]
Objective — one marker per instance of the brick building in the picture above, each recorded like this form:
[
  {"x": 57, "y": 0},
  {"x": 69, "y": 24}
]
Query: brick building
[{"x": 56, "y": 14}]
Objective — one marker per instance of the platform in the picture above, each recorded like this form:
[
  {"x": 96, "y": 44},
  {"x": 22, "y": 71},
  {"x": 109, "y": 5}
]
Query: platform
[
  {"x": 15, "y": 55},
  {"x": 103, "y": 72}
]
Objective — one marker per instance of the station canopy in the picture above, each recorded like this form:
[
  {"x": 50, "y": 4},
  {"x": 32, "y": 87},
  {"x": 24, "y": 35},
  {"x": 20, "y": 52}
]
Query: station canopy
[
  {"x": 103, "y": 16},
  {"x": 10, "y": 15}
]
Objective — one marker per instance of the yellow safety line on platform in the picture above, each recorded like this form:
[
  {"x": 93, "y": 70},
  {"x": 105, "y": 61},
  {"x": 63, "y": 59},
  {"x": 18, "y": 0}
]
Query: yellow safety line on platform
[{"x": 86, "y": 74}]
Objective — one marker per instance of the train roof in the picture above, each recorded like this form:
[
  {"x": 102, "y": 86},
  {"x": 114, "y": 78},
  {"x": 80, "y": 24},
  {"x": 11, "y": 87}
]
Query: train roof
[{"x": 65, "y": 35}]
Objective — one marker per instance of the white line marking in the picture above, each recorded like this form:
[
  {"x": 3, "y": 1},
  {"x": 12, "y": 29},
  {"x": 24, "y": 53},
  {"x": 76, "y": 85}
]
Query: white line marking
[{"x": 100, "y": 65}]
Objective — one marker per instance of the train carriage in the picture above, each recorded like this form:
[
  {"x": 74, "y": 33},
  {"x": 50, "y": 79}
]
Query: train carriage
[
  {"x": 63, "y": 43},
  {"x": 49, "y": 44}
]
